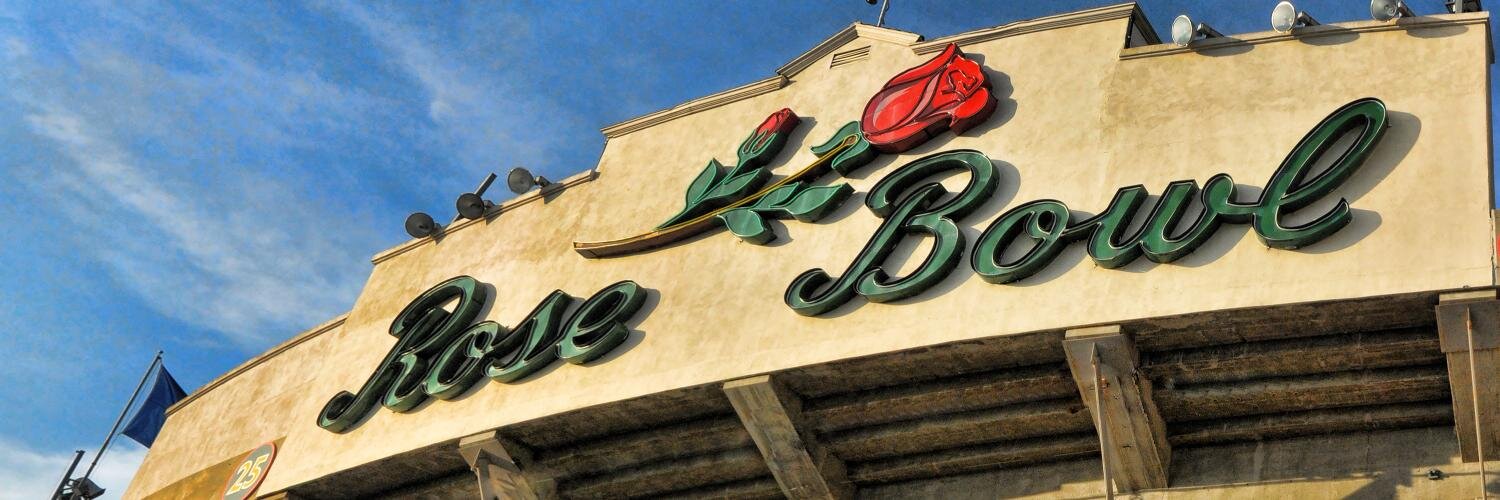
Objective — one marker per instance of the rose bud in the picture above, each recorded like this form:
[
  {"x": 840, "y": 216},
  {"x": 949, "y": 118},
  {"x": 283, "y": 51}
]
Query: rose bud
[{"x": 950, "y": 91}]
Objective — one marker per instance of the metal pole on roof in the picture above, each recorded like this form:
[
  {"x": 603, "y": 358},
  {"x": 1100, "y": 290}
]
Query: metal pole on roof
[{"x": 884, "y": 6}]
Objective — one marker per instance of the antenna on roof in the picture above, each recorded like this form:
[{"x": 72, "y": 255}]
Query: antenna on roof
[{"x": 884, "y": 6}]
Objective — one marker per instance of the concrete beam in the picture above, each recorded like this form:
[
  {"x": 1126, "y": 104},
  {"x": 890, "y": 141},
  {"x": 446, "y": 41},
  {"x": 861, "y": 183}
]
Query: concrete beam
[
  {"x": 1310, "y": 423},
  {"x": 978, "y": 457},
  {"x": 940, "y": 397},
  {"x": 653, "y": 480},
  {"x": 1006, "y": 423},
  {"x": 1300, "y": 356},
  {"x": 773, "y": 416},
  {"x": 1302, "y": 393},
  {"x": 1139, "y": 455},
  {"x": 659, "y": 444},
  {"x": 1460, "y": 317},
  {"x": 504, "y": 470}
]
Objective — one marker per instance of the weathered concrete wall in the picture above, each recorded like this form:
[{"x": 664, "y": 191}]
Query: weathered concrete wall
[
  {"x": 1075, "y": 123},
  {"x": 1376, "y": 465}
]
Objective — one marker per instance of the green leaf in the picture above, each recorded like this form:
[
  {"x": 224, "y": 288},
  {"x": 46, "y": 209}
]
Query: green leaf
[
  {"x": 706, "y": 179},
  {"x": 738, "y": 186},
  {"x": 838, "y": 138},
  {"x": 850, "y": 159},
  {"x": 747, "y": 147},
  {"x": 748, "y": 225},
  {"x": 816, "y": 202},
  {"x": 778, "y": 197},
  {"x": 858, "y": 155}
]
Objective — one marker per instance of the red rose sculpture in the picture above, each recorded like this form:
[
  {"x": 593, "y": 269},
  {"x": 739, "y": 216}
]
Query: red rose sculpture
[
  {"x": 767, "y": 140},
  {"x": 950, "y": 91}
]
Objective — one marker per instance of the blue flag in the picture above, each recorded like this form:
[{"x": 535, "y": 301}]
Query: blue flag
[{"x": 153, "y": 412}]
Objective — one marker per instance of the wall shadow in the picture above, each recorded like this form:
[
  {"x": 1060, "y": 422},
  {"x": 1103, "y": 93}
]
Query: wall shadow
[
  {"x": 1005, "y": 105},
  {"x": 1328, "y": 35},
  {"x": 1439, "y": 31},
  {"x": 1222, "y": 47}
]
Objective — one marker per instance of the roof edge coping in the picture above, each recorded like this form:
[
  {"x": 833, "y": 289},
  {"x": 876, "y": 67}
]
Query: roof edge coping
[
  {"x": 1064, "y": 20},
  {"x": 1310, "y": 32},
  {"x": 305, "y": 336}
]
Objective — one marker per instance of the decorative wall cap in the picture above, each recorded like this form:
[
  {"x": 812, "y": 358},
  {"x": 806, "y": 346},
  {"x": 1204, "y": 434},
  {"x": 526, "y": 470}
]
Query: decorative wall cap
[
  {"x": 1087, "y": 16},
  {"x": 857, "y": 31},
  {"x": 852, "y": 32},
  {"x": 702, "y": 103},
  {"x": 783, "y": 75},
  {"x": 1312, "y": 32},
  {"x": 305, "y": 336}
]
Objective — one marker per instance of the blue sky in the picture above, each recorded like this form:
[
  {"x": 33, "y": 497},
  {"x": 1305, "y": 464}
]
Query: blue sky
[{"x": 210, "y": 180}]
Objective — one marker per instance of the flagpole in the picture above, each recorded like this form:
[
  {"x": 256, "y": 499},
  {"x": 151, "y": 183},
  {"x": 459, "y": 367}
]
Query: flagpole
[{"x": 123, "y": 411}]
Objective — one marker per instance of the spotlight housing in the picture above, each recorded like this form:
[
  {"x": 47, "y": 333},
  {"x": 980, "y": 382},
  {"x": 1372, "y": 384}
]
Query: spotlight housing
[
  {"x": 473, "y": 205},
  {"x": 520, "y": 180},
  {"x": 1387, "y": 10},
  {"x": 85, "y": 488},
  {"x": 1184, "y": 31},
  {"x": 1462, "y": 6},
  {"x": 420, "y": 225},
  {"x": 1285, "y": 17}
]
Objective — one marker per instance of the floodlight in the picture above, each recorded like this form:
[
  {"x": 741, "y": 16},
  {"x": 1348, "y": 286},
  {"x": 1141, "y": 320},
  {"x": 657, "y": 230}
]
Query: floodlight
[
  {"x": 1386, "y": 10},
  {"x": 1285, "y": 17},
  {"x": 1184, "y": 31},
  {"x": 420, "y": 225},
  {"x": 472, "y": 206},
  {"x": 85, "y": 488},
  {"x": 520, "y": 180},
  {"x": 1462, "y": 6}
]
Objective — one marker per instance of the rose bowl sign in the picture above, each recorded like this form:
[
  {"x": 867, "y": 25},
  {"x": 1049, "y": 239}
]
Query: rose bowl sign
[{"x": 442, "y": 354}]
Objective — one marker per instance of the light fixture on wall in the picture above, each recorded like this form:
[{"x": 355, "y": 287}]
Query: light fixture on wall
[
  {"x": 86, "y": 489},
  {"x": 1285, "y": 17},
  {"x": 1462, "y": 6},
  {"x": 1184, "y": 31},
  {"x": 420, "y": 225},
  {"x": 1386, "y": 10},
  {"x": 473, "y": 205},
  {"x": 520, "y": 180}
]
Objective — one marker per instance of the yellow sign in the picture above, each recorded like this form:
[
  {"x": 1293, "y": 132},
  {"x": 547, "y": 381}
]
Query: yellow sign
[{"x": 251, "y": 471}]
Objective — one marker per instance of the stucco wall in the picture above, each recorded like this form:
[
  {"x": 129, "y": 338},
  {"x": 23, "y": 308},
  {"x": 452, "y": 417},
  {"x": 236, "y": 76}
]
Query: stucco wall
[{"x": 1075, "y": 123}]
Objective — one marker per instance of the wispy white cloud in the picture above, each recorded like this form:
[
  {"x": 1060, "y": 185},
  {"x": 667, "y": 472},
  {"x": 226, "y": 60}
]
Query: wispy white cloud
[
  {"x": 484, "y": 107},
  {"x": 30, "y": 474},
  {"x": 195, "y": 263},
  {"x": 162, "y": 199}
]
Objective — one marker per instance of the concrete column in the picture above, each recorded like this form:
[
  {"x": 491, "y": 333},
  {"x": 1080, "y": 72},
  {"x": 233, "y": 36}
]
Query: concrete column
[
  {"x": 504, "y": 470},
  {"x": 1138, "y": 455},
  {"x": 1461, "y": 316},
  {"x": 773, "y": 416}
]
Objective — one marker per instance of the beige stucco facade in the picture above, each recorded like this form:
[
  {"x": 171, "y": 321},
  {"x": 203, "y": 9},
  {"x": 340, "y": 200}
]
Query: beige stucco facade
[{"x": 1079, "y": 117}]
